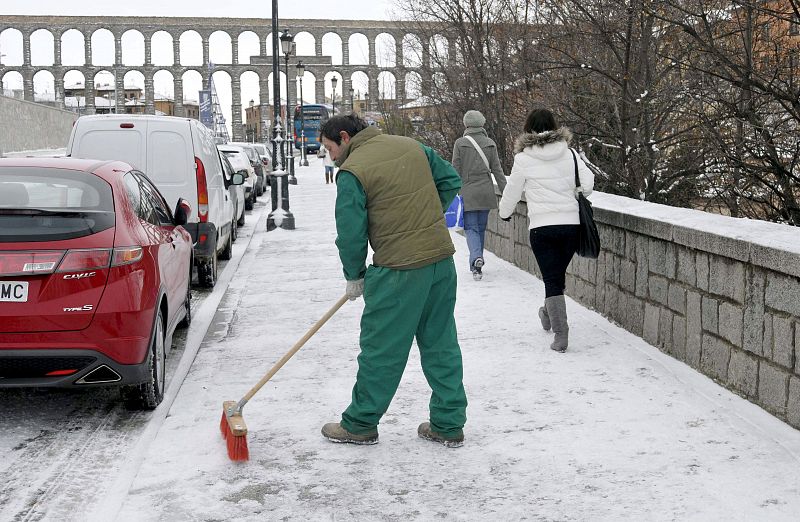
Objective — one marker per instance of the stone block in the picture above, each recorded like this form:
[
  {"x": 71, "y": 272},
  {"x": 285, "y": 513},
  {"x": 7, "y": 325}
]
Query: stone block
[
  {"x": 694, "y": 328},
  {"x": 710, "y": 315},
  {"x": 648, "y": 227},
  {"x": 793, "y": 404},
  {"x": 520, "y": 256},
  {"x": 671, "y": 261},
  {"x": 773, "y": 388},
  {"x": 642, "y": 273},
  {"x": 702, "y": 270},
  {"x": 797, "y": 348},
  {"x": 730, "y": 323},
  {"x": 659, "y": 289},
  {"x": 651, "y": 320},
  {"x": 657, "y": 254},
  {"x": 687, "y": 270},
  {"x": 714, "y": 244},
  {"x": 611, "y": 303},
  {"x": 634, "y": 322},
  {"x": 743, "y": 373},
  {"x": 678, "y": 349},
  {"x": 782, "y": 342},
  {"x": 726, "y": 278},
  {"x": 783, "y": 293},
  {"x": 630, "y": 245},
  {"x": 676, "y": 299},
  {"x": 754, "y": 312},
  {"x": 665, "y": 330},
  {"x": 777, "y": 260},
  {"x": 715, "y": 357},
  {"x": 767, "y": 342},
  {"x": 627, "y": 278}
]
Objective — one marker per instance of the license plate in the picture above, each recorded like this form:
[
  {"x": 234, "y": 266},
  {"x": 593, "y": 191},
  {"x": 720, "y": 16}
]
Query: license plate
[{"x": 14, "y": 291}]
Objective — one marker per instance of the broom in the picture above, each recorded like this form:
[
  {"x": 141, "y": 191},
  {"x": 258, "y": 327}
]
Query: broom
[{"x": 232, "y": 425}]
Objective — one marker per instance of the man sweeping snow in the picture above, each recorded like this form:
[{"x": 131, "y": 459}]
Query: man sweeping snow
[{"x": 391, "y": 194}]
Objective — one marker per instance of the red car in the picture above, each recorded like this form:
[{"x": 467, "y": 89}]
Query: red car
[{"x": 94, "y": 277}]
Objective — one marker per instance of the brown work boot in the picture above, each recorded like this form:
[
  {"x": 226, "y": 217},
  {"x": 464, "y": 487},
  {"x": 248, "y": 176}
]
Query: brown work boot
[
  {"x": 334, "y": 432},
  {"x": 426, "y": 432}
]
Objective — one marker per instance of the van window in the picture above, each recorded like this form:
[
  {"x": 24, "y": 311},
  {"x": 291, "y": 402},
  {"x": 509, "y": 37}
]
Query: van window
[
  {"x": 166, "y": 162},
  {"x": 120, "y": 145}
]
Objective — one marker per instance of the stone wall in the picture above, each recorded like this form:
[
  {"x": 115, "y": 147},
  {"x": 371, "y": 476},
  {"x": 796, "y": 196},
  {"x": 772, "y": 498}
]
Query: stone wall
[
  {"x": 32, "y": 126},
  {"x": 718, "y": 293}
]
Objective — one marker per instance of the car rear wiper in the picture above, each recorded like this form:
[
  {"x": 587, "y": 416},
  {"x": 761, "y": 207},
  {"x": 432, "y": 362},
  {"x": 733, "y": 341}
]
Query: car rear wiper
[{"x": 45, "y": 212}]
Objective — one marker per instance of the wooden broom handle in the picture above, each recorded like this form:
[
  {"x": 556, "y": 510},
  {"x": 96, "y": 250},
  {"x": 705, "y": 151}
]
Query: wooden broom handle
[{"x": 299, "y": 344}]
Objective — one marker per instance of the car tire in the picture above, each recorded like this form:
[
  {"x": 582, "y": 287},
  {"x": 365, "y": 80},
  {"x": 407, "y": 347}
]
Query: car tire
[
  {"x": 187, "y": 303},
  {"x": 149, "y": 394},
  {"x": 240, "y": 221},
  {"x": 207, "y": 272},
  {"x": 227, "y": 252},
  {"x": 249, "y": 202},
  {"x": 234, "y": 230}
]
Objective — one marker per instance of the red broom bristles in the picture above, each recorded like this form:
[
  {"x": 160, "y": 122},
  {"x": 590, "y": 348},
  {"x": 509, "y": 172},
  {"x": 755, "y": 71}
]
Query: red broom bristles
[{"x": 237, "y": 445}]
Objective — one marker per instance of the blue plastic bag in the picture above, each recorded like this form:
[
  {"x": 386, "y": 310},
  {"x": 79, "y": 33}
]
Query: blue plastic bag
[{"x": 454, "y": 215}]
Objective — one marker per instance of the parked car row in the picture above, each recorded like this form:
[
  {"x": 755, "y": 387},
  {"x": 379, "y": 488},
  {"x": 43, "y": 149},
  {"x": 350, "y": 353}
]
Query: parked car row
[{"x": 97, "y": 250}]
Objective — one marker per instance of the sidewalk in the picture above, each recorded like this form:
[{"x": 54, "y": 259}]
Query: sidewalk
[{"x": 612, "y": 429}]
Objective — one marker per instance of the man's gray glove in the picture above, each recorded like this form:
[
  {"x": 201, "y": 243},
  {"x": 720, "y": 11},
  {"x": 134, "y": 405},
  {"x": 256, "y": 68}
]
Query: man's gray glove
[{"x": 354, "y": 289}]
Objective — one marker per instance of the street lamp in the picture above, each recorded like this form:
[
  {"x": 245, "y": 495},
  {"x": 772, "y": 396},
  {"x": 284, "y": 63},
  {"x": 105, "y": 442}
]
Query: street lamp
[
  {"x": 352, "y": 108},
  {"x": 280, "y": 216},
  {"x": 334, "y": 82},
  {"x": 301, "y": 71},
  {"x": 366, "y": 102},
  {"x": 287, "y": 46}
]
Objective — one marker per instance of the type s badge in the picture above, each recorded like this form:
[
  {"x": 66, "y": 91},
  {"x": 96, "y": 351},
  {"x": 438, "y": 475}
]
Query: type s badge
[{"x": 84, "y": 308}]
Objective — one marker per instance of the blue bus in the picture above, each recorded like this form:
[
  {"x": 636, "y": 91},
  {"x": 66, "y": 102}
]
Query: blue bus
[{"x": 313, "y": 116}]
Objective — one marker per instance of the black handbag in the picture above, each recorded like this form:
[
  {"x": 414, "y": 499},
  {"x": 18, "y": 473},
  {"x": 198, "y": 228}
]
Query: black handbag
[{"x": 588, "y": 237}]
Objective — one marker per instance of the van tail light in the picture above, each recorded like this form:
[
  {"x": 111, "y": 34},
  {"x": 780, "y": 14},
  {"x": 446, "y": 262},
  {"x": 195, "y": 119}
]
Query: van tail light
[
  {"x": 29, "y": 263},
  {"x": 202, "y": 190},
  {"x": 77, "y": 260},
  {"x": 126, "y": 255}
]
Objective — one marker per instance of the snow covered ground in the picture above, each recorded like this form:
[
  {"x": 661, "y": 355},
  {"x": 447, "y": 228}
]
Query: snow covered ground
[{"x": 613, "y": 429}]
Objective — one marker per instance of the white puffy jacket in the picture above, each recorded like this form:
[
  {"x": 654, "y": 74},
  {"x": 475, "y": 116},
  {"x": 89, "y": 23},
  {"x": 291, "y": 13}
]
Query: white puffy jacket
[{"x": 544, "y": 171}]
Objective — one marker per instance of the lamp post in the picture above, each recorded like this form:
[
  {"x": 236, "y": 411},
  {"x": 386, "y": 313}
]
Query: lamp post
[
  {"x": 352, "y": 107},
  {"x": 280, "y": 216},
  {"x": 334, "y": 82},
  {"x": 301, "y": 71},
  {"x": 287, "y": 47},
  {"x": 366, "y": 102}
]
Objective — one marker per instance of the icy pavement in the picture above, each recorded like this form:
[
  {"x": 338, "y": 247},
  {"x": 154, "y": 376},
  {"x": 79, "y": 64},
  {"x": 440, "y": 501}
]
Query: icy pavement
[{"x": 613, "y": 429}]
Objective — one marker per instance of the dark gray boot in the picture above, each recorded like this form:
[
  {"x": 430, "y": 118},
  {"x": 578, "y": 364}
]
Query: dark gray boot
[
  {"x": 557, "y": 312},
  {"x": 544, "y": 318}
]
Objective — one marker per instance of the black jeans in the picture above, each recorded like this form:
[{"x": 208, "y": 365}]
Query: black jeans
[{"x": 553, "y": 246}]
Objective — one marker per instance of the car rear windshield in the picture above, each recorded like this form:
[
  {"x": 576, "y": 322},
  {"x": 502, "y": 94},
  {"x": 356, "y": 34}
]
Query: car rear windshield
[{"x": 48, "y": 204}]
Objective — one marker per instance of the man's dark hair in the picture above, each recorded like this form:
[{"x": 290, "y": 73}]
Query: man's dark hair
[
  {"x": 350, "y": 123},
  {"x": 540, "y": 120}
]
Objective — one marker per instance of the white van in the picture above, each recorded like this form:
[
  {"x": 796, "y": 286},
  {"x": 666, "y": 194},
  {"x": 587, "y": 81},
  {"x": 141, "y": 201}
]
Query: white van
[{"x": 180, "y": 157}]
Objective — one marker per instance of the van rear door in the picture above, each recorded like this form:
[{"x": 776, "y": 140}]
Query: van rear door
[
  {"x": 109, "y": 139},
  {"x": 170, "y": 161}
]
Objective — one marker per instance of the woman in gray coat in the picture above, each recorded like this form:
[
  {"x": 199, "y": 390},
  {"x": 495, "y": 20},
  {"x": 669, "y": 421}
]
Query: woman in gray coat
[{"x": 476, "y": 160}]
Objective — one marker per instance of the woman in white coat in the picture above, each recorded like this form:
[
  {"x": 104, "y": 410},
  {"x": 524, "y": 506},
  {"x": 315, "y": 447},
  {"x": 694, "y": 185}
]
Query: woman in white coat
[{"x": 544, "y": 171}]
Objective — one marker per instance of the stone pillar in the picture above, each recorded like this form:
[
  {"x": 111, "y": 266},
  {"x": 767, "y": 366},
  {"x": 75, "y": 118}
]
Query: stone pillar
[
  {"x": 59, "y": 87},
  {"x": 205, "y": 50},
  {"x": 87, "y": 50},
  {"x": 426, "y": 54},
  {"x": 317, "y": 46},
  {"x": 119, "y": 96},
  {"x": 319, "y": 89},
  {"x": 235, "y": 51},
  {"x": 398, "y": 51},
  {"x": 372, "y": 49},
  {"x": 118, "y": 50},
  {"x": 149, "y": 94},
  {"x": 148, "y": 48},
  {"x": 57, "y": 51},
  {"x": 179, "y": 111},
  {"x": 176, "y": 51},
  {"x": 26, "y": 49},
  {"x": 374, "y": 93},
  {"x": 400, "y": 90},
  {"x": 89, "y": 92},
  {"x": 27, "y": 84},
  {"x": 236, "y": 108},
  {"x": 347, "y": 105},
  {"x": 451, "y": 51},
  {"x": 345, "y": 51}
]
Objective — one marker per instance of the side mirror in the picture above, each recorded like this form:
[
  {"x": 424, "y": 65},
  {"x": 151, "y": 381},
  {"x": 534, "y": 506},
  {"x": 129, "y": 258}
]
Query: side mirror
[
  {"x": 238, "y": 178},
  {"x": 182, "y": 212}
]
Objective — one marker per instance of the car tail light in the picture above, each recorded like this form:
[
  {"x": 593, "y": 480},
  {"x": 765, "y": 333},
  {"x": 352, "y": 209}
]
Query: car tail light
[
  {"x": 60, "y": 373},
  {"x": 126, "y": 255},
  {"x": 202, "y": 190},
  {"x": 29, "y": 263},
  {"x": 77, "y": 260}
]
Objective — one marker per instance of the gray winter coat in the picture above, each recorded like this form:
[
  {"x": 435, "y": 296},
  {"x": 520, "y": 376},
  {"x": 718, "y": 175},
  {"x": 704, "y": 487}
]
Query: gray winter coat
[{"x": 477, "y": 187}]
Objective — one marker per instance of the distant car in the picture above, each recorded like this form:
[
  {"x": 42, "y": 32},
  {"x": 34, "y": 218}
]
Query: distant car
[
  {"x": 237, "y": 194},
  {"x": 241, "y": 162},
  {"x": 95, "y": 272},
  {"x": 255, "y": 161}
]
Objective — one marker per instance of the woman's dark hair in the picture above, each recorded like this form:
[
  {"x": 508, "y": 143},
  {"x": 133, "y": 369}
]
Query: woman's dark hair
[
  {"x": 350, "y": 123},
  {"x": 540, "y": 120}
]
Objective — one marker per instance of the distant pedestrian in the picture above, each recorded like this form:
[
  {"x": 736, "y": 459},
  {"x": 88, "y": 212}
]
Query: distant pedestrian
[
  {"x": 391, "y": 194},
  {"x": 328, "y": 162},
  {"x": 544, "y": 170},
  {"x": 476, "y": 160}
]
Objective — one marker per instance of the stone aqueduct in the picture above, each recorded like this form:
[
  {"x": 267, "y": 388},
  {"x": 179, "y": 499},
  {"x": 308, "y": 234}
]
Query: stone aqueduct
[{"x": 318, "y": 64}]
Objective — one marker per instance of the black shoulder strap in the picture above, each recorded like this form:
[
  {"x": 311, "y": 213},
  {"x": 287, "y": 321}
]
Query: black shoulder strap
[{"x": 575, "y": 161}]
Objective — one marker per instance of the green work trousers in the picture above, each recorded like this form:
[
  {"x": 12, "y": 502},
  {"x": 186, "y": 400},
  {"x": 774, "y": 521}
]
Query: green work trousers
[{"x": 399, "y": 305}]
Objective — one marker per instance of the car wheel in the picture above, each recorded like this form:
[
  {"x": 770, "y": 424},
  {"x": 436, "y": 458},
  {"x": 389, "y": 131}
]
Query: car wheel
[
  {"x": 207, "y": 272},
  {"x": 227, "y": 252},
  {"x": 240, "y": 221},
  {"x": 248, "y": 203},
  {"x": 149, "y": 394},
  {"x": 234, "y": 230},
  {"x": 187, "y": 303}
]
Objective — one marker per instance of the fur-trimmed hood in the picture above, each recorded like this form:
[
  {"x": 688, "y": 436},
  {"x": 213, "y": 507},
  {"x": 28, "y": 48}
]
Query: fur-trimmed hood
[{"x": 540, "y": 139}]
